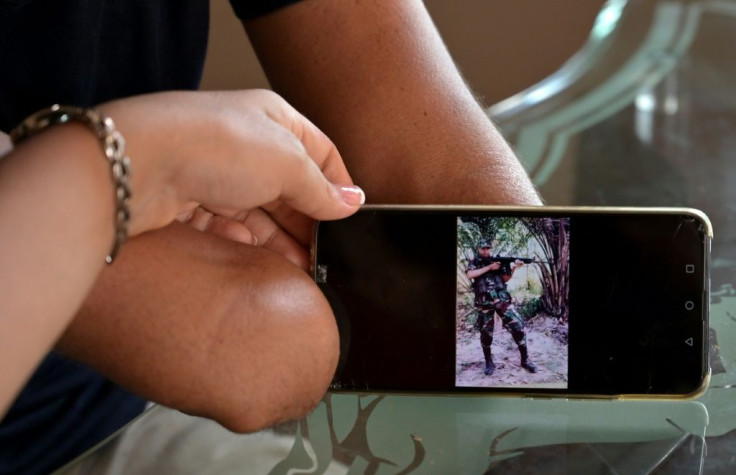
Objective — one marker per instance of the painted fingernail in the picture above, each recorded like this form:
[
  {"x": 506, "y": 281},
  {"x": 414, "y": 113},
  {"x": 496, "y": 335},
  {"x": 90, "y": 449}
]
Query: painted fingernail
[{"x": 352, "y": 195}]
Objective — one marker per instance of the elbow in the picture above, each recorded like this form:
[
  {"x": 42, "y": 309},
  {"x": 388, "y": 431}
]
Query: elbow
[
  {"x": 281, "y": 353},
  {"x": 209, "y": 327}
]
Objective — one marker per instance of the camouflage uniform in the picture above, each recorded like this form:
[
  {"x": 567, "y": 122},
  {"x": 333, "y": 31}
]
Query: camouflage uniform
[{"x": 492, "y": 296}]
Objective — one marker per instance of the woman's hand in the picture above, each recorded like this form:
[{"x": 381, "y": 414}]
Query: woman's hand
[
  {"x": 242, "y": 164},
  {"x": 234, "y": 154}
]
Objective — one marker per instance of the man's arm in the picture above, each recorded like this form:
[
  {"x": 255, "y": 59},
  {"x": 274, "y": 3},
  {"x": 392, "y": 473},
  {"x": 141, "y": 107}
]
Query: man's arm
[
  {"x": 376, "y": 77},
  {"x": 473, "y": 273},
  {"x": 208, "y": 326}
]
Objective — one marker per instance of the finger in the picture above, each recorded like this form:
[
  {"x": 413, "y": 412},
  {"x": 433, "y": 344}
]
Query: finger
[
  {"x": 316, "y": 143},
  {"x": 294, "y": 223},
  {"x": 278, "y": 155},
  {"x": 285, "y": 173},
  {"x": 321, "y": 151},
  {"x": 285, "y": 245},
  {"x": 298, "y": 225},
  {"x": 197, "y": 218},
  {"x": 233, "y": 230},
  {"x": 270, "y": 235},
  {"x": 293, "y": 179},
  {"x": 206, "y": 221},
  {"x": 307, "y": 190}
]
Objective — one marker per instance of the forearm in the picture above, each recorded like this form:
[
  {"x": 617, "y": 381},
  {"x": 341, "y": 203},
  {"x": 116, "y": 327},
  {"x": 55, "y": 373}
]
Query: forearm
[
  {"x": 376, "y": 77},
  {"x": 56, "y": 210},
  {"x": 474, "y": 273},
  {"x": 210, "y": 327}
]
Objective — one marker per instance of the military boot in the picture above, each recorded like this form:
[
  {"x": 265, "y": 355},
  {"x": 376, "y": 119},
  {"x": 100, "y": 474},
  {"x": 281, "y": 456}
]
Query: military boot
[
  {"x": 489, "y": 361},
  {"x": 525, "y": 362}
]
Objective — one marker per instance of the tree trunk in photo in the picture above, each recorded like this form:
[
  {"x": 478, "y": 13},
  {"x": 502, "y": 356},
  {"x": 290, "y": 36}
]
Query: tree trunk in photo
[{"x": 554, "y": 239}]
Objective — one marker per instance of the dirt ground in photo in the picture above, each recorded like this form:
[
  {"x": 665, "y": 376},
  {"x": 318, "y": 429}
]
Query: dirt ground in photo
[{"x": 547, "y": 343}]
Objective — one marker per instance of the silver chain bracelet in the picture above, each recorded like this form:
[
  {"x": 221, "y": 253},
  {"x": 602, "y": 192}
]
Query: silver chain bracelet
[{"x": 113, "y": 145}]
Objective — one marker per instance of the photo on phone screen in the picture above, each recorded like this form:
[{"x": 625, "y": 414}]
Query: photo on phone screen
[{"x": 512, "y": 304}]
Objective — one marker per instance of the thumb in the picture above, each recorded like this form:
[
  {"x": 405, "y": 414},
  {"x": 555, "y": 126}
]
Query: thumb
[{"x": 314, "y": 195}]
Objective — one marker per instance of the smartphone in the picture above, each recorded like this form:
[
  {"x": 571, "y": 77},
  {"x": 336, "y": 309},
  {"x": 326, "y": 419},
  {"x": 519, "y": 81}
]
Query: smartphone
[{"x": 551, "y": 301}]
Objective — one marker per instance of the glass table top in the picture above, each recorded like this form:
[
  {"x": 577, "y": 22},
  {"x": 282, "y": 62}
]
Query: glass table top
[{"x": 643, "y": 115}]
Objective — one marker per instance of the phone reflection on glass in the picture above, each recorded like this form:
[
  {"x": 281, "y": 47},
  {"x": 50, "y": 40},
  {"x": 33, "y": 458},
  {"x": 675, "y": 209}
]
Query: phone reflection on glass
[{"x": 586, "y": 302}]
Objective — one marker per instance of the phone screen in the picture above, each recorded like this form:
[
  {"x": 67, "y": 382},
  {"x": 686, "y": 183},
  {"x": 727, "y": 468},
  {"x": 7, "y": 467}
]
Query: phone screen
[{"x": 558, "y": 301}]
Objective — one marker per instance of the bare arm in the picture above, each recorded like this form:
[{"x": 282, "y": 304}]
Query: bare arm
[
  {"x": 210, "y": 327},
  {"x": 376, "y": 77},
  {"x": 473, "y": 273},
  {"x": 53, "y": 239}
]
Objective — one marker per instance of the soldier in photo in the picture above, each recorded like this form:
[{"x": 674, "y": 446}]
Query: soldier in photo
[{"x": 489, "y": 275}]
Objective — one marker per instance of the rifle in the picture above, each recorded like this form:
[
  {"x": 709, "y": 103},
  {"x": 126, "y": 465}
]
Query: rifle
[{"x": 506, "y": 262}]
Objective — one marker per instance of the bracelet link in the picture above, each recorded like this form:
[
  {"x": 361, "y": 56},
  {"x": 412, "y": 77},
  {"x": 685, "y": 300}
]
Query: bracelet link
[{"x": 113, "y": 145}]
